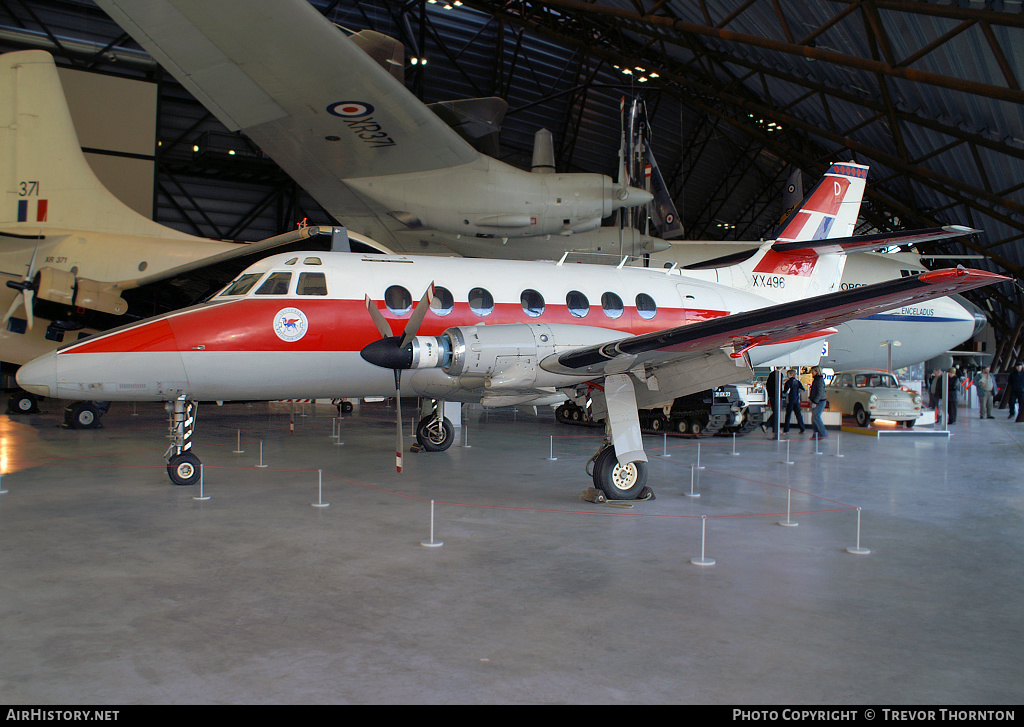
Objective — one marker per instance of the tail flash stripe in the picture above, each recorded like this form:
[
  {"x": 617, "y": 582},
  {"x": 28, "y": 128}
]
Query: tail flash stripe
[
  {"x": 22, "y": 210},
  {"x": 41, "y": 211}
]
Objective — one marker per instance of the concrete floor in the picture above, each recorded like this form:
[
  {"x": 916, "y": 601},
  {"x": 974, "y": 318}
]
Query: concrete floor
[{"x": 118, "y": 588}]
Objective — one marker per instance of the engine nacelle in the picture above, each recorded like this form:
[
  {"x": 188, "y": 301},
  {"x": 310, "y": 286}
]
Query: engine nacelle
[
  {"x": 63, "y": 287},
  {"x": 55, "y": 285},
  {"x": 504, "y": 356}
]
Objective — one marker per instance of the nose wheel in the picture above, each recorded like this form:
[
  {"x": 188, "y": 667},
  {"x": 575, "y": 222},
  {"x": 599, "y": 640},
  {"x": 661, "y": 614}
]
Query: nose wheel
[{"x": 183, "y": 469}]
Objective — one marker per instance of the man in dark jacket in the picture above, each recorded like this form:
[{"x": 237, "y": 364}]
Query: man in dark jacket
[
  {"x": 817, "y": 397},
  {"x": 791, "y": 393},
  {"x": 773, "y": 387},
  {"x": 1015, "y": 384}
]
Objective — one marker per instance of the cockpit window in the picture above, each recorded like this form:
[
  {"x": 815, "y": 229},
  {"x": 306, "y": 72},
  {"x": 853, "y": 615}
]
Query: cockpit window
[
  {"x": 276, "y": 284},
  {"x": 312, "y": 284},
  {"x": 243, "y": 284}
]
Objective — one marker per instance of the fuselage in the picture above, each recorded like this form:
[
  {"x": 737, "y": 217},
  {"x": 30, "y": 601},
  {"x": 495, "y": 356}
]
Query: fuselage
[{"x": 293, "y": 326}]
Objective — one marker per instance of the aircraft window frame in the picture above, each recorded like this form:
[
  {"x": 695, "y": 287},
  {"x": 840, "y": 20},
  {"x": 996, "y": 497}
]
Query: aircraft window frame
[
  {"x": 612, "y": 311},
  {"x": 240, "y": 282},
  {"x": 532, "y": 302},
  {"x": 304, "y": 287},
  {"x": 443, "y": 302},
  {"x": 649, "y": 309},
  {"x": 312, "y": 261},
  {"x": 275, "y": 281},
  {"x": 390, "y": 302},
  {"x": 577, "y": 303},
  {"x": 485, "y": 298}
]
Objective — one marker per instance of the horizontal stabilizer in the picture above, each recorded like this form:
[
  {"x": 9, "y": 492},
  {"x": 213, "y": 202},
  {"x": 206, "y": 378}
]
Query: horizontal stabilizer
[{"x": 874, "y": 242}]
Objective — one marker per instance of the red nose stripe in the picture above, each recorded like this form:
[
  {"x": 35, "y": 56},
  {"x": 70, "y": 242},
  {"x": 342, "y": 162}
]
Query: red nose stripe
[{"x": 155, "y": 336}]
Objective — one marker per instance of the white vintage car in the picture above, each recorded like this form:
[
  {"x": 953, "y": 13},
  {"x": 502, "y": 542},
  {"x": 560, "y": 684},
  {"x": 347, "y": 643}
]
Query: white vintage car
[{"x": 869, "y": 394}]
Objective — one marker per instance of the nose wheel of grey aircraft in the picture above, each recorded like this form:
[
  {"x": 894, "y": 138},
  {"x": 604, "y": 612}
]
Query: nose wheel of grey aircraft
[
  {"x": 183, "y": 469},
  {"x": 435, "y": 434},
  {"x": 616, "y": 481}
]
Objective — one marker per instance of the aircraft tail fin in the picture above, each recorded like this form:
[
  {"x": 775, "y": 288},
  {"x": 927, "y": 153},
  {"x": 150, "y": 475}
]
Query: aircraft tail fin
[
  {"x": 46, "y": 178},
  {"x": 804, "y": 259}
]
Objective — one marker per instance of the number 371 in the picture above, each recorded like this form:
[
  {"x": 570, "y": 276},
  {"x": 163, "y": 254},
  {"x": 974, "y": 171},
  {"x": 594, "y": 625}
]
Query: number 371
[{"x": 28, "y": 189}]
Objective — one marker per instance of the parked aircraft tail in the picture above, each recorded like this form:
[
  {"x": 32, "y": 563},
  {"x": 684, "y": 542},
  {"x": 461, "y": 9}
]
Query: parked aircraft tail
[
  {"x": 809, "y": 253},
  {"x": 47, "y": 181}
]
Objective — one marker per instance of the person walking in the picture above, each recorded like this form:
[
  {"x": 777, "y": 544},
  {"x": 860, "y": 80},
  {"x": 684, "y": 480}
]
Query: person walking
[
  {"x": 791, "y": 393},
  {"x": 953, "y": 394},
  {"x": 1015, "y": 383},
  {"x": 773, "y": 387},
  {"x": 818, "y": 400},
  {"x": 985, "y": 383}
]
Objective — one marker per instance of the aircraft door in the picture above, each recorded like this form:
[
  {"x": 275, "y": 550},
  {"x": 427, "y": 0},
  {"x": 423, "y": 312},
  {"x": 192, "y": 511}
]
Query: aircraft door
[{"x": 700, "y": 303}]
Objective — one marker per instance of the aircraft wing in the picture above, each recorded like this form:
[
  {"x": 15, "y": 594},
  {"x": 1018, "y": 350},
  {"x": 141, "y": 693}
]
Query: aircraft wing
[
  {"x": 240, "y": 250},
  {"x": 292, "y": 81},
  {"x": 773, "y": 324}
]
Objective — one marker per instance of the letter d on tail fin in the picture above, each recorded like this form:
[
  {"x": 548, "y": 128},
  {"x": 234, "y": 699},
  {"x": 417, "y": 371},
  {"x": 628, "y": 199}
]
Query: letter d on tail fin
[{"x": 48, "y": 183}]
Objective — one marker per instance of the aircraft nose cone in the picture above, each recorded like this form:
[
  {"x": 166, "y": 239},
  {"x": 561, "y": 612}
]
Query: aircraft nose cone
[
  {"x": 39, "y": 376},
  {"x": 387, "y": 354}
]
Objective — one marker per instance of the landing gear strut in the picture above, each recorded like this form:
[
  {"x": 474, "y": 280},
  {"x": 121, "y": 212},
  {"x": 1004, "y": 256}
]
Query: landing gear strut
[{"x": 182, "y": 465}]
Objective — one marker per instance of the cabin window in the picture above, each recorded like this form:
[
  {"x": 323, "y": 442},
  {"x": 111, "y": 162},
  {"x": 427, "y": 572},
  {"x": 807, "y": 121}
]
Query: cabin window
[
  {"x": 276, "y": 284},
  {"x": 533, "y": 302},
  {"x": 312, "y": 261},
  {"x": 645, "y": 306},
  {"x": 577, "y": 304},
  {"x": 612, "y": 305},
  {"x": 312, "y": 284},
  {"x": 443, "y": 302},
  {"x": 481, "y": 302},
  {"x": 243, "y": 284},
  {"x": 398, "y": 300}
]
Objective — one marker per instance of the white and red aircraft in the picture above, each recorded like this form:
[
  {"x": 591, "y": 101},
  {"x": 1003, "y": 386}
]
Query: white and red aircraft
[{"x": 498, "y": 332}]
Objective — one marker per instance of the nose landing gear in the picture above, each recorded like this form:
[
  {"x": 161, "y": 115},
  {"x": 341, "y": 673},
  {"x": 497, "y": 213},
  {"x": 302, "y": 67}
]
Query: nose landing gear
[{"x": 182, "y": 465}]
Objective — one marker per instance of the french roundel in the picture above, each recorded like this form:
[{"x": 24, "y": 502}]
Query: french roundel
[{"x": 350, "y": 109}]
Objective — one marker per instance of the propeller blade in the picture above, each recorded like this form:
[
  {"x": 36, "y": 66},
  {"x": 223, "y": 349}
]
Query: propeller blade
[
  {"x": 378, "y": 319},
  {"x": 28, "y": 294},
  {"x": 417, "y": 316},
  {"x": 399, "y": 443},
  {"x": 15, "y": 304}
]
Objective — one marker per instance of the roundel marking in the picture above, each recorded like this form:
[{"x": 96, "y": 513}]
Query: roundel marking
[
  {"x": 670, "y": 218},
  {"x": 791, "y": 188},
  {"x": 350, "y": 109},
  {"x": 290, "y": 324}
]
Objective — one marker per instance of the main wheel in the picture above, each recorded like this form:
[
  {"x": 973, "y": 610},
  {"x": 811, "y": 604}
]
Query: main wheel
[
  {"x": 22, "y": 402},
  {"x": 84, "y": 415},
  {"x": 435, "y": 434},
  {"x": 183, "y": 469},
  {"x": 861, "y": 416},
  {"x": 619, "y": 482}
]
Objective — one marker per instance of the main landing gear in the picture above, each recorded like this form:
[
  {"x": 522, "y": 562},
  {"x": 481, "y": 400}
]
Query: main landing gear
[
  {"x": 435, "y": 432},
  {"x": 616, "y": 481},
  {"x": 85, "y": 414},
  {"x": 619, "y": 467},
  {"x": 183, "y": 467}
]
